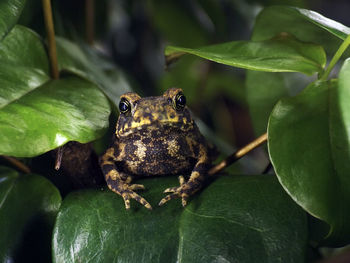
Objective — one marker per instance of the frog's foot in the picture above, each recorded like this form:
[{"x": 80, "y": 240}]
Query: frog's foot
[
  {"x": 127, "y": 192},
  {"x": 130, "y": 194},
  {"x": 181, "y": 191}
]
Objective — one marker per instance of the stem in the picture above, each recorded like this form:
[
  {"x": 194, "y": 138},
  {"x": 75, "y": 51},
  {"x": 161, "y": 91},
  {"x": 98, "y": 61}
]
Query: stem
[
  {"x": 59, "y": 155},
  {"x": 89, "y": 21},
  {"x": 50, "y": 38},
  {"x": 238, "y": 154},
  {"x": 18, "y": 164},
  {"x": 50, "y": 31},
  {"x": 336, "y": 57}
]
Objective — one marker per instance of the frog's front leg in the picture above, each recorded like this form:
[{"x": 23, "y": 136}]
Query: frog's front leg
[
  {"x": 119, "y": 182},
  {"x": 194, "y": 183}
]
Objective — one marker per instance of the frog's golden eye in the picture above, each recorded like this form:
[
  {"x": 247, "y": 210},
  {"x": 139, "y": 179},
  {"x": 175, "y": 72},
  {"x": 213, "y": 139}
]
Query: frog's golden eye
[
  {"x": 179, "y": 101},
  {"x": 124, "y": 106}
]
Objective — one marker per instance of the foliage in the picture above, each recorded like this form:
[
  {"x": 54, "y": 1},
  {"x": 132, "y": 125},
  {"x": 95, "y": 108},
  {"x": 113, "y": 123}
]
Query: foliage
[
  {"x": 194, "y": 234},
  {"x": 237, "y": 217}
]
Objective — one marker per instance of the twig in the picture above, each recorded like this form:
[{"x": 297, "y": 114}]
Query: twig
[
  {"x": 59, "y": 155},
  {"x": 50, "y": 31},
  {"x": 18, "y": 164},
  {"x": 238, "y": 154},
  {"x": 50, "y": 38},
  {"x": 90, "y": 21}
]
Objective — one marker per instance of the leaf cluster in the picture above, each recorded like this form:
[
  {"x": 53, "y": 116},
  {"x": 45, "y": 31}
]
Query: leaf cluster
[{"x": 236, "y": 218}]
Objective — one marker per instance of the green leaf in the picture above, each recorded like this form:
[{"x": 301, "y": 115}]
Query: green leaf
[
  {"x": 10, "y": 10},
  {"x": 17, "y": 81},
  {"x": 330, "y": 25},
  {"x": 309, "y": 148},
  {"x": 265, "y": 89},
  {"x": 305, "y": 24},
  {"x": 37, "y": 114},
  {"x": 281, "y": 54},
  {"x": 28, "y": 207},
  {"x": 235, "y": 219},
  {"x": 23, "y": 47},
  {"x": 51, "y": 115},
  {"x": 85, "y": 63}
]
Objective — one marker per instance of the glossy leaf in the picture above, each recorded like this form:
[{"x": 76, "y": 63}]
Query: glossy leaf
[
  {"x": 263, "y": 90},
  {"x": 17, "y": 81},
  {"x": 309, "y": 148},
  {"x": 10, "y": 10},
  {"x": 241, "y": 219},
  {"x": 28, "y": 207},
  {"x": 36, "y": 114},
  {"x": 51, "y": 115},
  {"x": 330, "y": 25},
  {"x": 85, "y": 63},
  {"x": 280, "y": 54},
  {"x": 23, "y": 47},
  {"x": 305, "y": 24}
]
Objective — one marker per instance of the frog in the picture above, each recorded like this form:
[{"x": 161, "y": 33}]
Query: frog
[{"x": 156, "y": 136}]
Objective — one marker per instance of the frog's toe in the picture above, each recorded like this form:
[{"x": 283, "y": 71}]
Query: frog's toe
[
  {"x": 141, "y": 200},
  {"x": 127, "y": 195},
  {"x": 176, "y": 194},
  {"x": 171, "y": 189},
  {"x": 176, "y": 188},
  {"x": 126, "y": 198},
  {"x": 168, "y": 198},
  {"x": 184, "y": 200},
  {"x": 135, "y": 187}
]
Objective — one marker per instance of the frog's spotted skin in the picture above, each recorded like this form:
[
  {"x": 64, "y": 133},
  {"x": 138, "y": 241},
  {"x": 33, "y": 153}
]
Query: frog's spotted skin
[{"x": 155, "y": 136}]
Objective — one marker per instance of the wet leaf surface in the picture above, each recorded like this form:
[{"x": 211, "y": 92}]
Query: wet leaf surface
[
  {"x": 309, "y": 148},
  {"x": 225, "y": 222}
]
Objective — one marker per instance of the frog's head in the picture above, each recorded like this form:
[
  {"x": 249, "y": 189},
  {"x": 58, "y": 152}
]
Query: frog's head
[{"x": 163, "y": 112}]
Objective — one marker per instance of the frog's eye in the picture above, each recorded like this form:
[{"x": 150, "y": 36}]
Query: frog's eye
[
  {"x": 124, "y": 105},
  {"x": 179, "y": 101}
]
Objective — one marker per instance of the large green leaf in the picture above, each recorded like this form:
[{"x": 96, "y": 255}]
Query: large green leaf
[
  {"x": 305, "y": 24},
  {"x": 235, "y": 219},
  {"x": 265, "y": 89},
  {"x": 10, "y": 10},
  {"x": 28, "y": 207},
  {"x": 23, "y": 67},
  {"x": 280, "y": 54},
  {"x": 38, "y": 114},
  {"x": 85, "y": 63},
  {"x": 24, "y": 48},
  {"x": 51, "y": 115},
  {"x": 309, "y": 148}
]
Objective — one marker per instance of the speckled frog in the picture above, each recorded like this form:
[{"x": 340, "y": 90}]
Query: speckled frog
[{"x": 156, "y": 136}]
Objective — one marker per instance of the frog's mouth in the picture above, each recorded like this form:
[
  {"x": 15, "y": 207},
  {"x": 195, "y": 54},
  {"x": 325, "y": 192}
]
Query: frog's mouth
[{"x": 126, "y": 128}]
